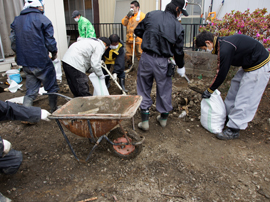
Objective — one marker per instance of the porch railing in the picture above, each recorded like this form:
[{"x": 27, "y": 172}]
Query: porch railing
[{"x": 106, "y": 29}]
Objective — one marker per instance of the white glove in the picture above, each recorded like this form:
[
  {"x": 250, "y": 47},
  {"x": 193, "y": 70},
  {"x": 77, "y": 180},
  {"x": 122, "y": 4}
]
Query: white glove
[
  {"x": 7, "y": 146},
  {"x": 114, "y": 76},
  {"x": 181, "y": 71},
  {"x": 130, "y": 13},
  {"x": 102, "y": 76},
  {"x": 45, "y": 114}
]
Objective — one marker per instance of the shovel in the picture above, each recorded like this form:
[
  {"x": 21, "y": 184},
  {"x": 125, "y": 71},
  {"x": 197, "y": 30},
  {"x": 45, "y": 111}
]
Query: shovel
[
  {"x": 133, "y": 55},
  {"x": 103, "y": 65}
]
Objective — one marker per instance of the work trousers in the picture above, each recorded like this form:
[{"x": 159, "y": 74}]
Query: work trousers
[
  {"x": 244, "y": 96},
  {"x": 10, "y": 163},
  {"x": 154, "y": 67},
  {"x": 129, "y": 51},
  {"x": 36, "y": 76},
  {"x": 77, "y": 81}
]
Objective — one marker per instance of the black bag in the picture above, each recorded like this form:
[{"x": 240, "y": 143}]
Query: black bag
[{"x": 170, "y": 70}]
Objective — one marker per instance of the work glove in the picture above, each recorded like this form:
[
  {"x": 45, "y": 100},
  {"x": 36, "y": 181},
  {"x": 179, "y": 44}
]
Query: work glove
[
  {"x": 114, "y": 76},
  {"x": 206, "y": 94},
  {"x": 54, "y": 56},
  {"x": 45, "y": 114},
  {"x": 7, "y": 147},
  {"x": 102, "y": 76},
  {"x": 181, "y": 71},
  {"x": 130, "y": 13}
]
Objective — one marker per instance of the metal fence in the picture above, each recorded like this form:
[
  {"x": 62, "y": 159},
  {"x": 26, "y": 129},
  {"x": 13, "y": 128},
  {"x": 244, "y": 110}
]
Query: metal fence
[{"x": 106, "y": 29}]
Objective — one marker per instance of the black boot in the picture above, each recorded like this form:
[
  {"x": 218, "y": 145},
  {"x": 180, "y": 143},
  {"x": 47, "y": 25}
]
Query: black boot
[
  {"x": 144, "y": 125},
  {"x": 107, "y": 81},
  {"x": 122, "y": 84},
  {"x": 228, "y": 134},
  {"x": 53, "y": 102}
]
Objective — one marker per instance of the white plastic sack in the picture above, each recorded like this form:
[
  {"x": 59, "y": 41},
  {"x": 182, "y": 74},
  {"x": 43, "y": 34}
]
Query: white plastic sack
[
  {"x": 100, "y": 87},
  {"x": 58, "y": 70},
  {"x": 213, "y": 113}
]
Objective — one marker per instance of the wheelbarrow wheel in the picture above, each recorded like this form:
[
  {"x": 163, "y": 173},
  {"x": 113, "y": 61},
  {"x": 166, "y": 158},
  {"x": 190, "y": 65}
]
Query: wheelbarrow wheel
[{"x": 127, "y": 151}]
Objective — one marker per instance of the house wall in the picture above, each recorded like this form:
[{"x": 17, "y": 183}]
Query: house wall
[
  {"x": 107, "y": 9},
  {"x": 240, "y": 5},
  {"x": 54, "y": 10}
]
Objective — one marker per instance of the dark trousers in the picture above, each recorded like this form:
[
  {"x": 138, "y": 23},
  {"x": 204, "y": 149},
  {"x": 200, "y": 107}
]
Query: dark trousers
[
  {"x": 150, "y": 68},
  {"x": 77, "y": 81},
  {"x": 10, "y": 163}
]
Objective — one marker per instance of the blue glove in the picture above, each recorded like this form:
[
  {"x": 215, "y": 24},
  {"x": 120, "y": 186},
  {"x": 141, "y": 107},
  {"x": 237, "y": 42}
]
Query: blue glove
[{"x": 206, "y": 94}]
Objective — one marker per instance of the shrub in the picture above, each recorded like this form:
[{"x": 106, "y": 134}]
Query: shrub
[{"x": 255, "y": 25}]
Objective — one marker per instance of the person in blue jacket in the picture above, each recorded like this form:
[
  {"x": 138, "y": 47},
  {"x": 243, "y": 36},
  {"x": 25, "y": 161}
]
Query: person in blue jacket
[
  {"x": 32, "y": 40},
  {"x": 10, "y": 159}
]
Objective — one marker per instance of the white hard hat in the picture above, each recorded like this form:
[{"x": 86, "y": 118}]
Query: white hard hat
[{"x": 32, "y": 3}]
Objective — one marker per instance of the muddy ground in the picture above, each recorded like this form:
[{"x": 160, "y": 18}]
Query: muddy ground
[{"x": 182, "y": 162}]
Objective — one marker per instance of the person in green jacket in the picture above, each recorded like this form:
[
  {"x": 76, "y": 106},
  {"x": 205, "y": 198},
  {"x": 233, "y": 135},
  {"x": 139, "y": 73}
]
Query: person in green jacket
[{"x": 86, "y": 29}]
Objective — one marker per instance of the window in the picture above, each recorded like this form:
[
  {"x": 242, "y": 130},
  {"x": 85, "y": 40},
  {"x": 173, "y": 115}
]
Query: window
[{"x": 85, "y": 7}]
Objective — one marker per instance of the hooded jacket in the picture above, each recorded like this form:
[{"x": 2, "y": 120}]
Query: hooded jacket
[
  {"x": 116, "y": 57},
  {"x": 237, "y": 50},
  {"x": 131, "y": 23},
  {"x": 34, "y": 38},
  {"x": 163, "y": 35},
  {"x": 86, "y": 29}
]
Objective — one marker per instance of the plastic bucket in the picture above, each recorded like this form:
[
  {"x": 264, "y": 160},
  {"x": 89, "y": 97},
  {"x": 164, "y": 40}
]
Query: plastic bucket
[
  {"x": 12, "y": 71},
  {"x": 16, "y": 77}
]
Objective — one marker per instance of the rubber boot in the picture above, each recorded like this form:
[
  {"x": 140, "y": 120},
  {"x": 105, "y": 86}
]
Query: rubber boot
[
  {"x": 107, "y": 82},
  {"x": 53, "y": 102},
  {"x": 162, "y": 119},
  {"x": 144, "y": 125},
  {"x": 27, "y": 101},
  {"x": 122, "y": 84}
]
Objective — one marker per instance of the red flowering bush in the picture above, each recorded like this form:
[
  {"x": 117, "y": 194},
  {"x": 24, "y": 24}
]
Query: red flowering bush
[{"x": 255, "y": 25}]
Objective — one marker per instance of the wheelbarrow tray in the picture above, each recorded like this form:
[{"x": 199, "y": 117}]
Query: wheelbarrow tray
[{"x": 103, "y": 113}]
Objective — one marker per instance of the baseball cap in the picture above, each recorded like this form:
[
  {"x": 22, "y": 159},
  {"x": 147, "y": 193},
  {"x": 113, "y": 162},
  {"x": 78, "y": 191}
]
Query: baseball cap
[
  {"x": 182, "y": 4},
  {"x": 75, "y": 13}
]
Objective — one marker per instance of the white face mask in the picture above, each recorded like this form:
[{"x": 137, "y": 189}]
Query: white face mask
[
  {"x": 76, "y": 19},
  {"x": 209, "y": 50},
  {"x": 179, "y": 18},
  {"x": 114, "y": 47}
]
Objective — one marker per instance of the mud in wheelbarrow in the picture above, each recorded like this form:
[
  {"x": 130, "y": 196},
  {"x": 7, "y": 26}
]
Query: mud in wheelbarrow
[{"x": 94, "y": 117}]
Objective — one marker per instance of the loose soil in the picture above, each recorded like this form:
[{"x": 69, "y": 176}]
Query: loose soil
[{"x": 181, "y": 162}]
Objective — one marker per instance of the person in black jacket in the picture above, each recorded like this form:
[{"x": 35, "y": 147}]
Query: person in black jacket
[
  {"x": 163, "y": 37},
  {"x": 115, "y": 55},
  {"x": 248, "y": 84},
  {"x": 10, "y": 159}
]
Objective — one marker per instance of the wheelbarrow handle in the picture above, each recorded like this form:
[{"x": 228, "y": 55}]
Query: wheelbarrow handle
[{"x": 68, "y": 98}]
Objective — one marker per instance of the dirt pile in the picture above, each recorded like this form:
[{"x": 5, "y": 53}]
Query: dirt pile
[{"x": 181, "y": 162}]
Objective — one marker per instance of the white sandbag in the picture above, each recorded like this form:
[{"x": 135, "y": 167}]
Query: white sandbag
[
  {"x": 213, "y": 113},
  {"x": 58, "y": 70},
  {"x": 100, "y": 87}
]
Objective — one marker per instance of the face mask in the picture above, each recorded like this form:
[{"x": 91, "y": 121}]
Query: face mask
[
  {"x": 114, "y": 47},
  {"x": 209, "y": 50},
  {"x": 179, "y": 18},
  {"x": 76, "y": 19}
]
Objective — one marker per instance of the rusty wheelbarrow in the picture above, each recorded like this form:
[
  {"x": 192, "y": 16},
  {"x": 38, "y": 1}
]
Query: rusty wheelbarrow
[{"x": 94, "y": 117}]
